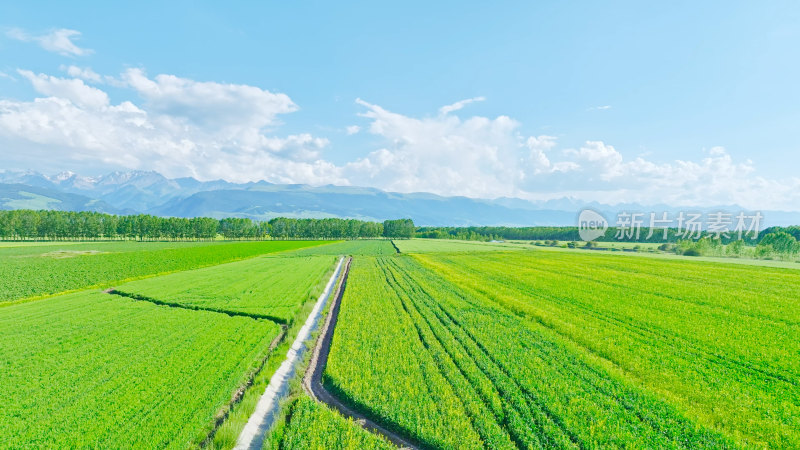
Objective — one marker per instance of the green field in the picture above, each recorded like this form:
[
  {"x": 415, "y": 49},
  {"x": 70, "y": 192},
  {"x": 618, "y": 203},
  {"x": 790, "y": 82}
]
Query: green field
[
  {"x": 358, "y": 247},
  {"x": 262, "y": 287},
  {"x": 570, "y": 349},
  {"x": 97, "y": 370},
  {"x": 314, "y": 426},
  {"x": 444, "y": 245},
  {"x": 30, "y": 271},
  {"x": 451, "y": 344},
  {"x": 91, "y": 369}
]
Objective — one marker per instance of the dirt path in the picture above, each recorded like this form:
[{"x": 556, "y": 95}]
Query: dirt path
[
  {"x": 312, "y": 381},
  {"x": 253, "y": 434}
]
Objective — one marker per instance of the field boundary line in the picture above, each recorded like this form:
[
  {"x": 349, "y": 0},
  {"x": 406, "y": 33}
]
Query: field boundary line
[
  {"x": 108, "y": 283},
  {"x": 104, "y": 284},
  {"x": 396, "y": 248},
  {"x": 143, "y": 298},
  {"x": 253, "y": 433},
  {"x": 312, "y": 381}
]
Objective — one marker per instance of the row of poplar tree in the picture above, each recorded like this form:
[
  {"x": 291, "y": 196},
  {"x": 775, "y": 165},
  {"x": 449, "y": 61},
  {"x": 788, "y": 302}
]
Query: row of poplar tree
[{"x": 66, "y": 225}]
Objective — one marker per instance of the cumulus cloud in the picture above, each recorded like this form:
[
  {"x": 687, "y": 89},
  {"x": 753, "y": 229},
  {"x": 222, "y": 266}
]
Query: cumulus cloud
[
  {"x": 73, "y": 89},
  {"x": 58, "y": 41},
  {"x": 209, "y": 130},
  {"x": 443, "y": 154},
  {"x": 75, "y": 121},
  {"x": 210, "y": 104},
  {"x": 487, "y": 157}
]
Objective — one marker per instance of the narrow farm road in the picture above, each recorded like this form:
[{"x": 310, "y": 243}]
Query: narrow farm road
[
  {"x": 252, "y": 436},
  {"x": 312, "y": 381}
]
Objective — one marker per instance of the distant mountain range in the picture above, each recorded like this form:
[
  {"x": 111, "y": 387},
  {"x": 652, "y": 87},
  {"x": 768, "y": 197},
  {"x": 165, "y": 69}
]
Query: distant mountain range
[{"x": 151, "y": 193}]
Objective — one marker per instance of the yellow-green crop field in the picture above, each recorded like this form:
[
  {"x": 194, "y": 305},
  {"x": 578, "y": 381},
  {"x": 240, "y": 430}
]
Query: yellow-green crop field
[{"x": 571, "y": 350}]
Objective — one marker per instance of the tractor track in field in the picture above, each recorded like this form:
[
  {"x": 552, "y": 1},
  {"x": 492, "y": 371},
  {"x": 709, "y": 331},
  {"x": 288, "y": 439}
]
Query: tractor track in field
[{"x": 312, "y": 381}]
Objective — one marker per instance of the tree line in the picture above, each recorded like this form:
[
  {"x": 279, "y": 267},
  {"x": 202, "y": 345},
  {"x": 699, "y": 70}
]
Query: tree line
[
  {"x": 772, "y": 241},
  {"x": 68, "y": 225},
  {"x": 612, "y": 234}
]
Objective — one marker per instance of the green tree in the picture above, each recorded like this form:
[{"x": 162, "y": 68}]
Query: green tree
[
  {"x": 781, "y": 242},
  {"x": 400, "y": 228}
]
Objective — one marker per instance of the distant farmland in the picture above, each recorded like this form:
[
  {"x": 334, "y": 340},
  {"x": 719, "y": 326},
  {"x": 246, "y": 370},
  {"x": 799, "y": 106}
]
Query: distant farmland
[{"x": 444, "y": 344}]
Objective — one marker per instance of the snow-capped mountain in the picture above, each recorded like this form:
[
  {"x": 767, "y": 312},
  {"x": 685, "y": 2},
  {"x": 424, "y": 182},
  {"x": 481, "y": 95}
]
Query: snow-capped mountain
[
  {"x": 136, "y": 190},
  {"x": 152, "y": 193}
]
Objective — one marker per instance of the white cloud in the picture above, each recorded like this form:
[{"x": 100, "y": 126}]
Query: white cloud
[
  {"x": 77, "y": 122},
  {"x": 538, "y": 146},
  {"x": 7, "y": 76},
  {"x": 444, "y": 154},
  {"x": 84, "y": 73},
  {"x": 183, "y": 127},
  {"x": 72, "y": 89},
  {"x": 486, "y": 157},
  {"x": 210, "y": 104},
  {"x": 447, "y": 109},
  {"x": 57, "y": 41},
  {"x": 599, "y": 108}
]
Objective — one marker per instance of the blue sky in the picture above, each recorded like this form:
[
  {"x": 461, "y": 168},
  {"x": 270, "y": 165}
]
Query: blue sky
[{"x": 685, "y": 102}]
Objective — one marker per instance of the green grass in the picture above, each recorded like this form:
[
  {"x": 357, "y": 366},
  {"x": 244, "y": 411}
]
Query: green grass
[
  {"x": 7, "y": 244},
  {"x": 25, "y": 272},
  {"x": 96, "y": 370},
  {"x": 358, "y": 247},
  {"x": 448, "y": 245},
  {"x": 311, "y": 425},
  {"x": 718, "y": 342},
  {"x": 267, "y": 287},
  {"x": 462, "y": 350},
  {"x": 11, "y": 250},
  {"x": 663, "y": 255}
]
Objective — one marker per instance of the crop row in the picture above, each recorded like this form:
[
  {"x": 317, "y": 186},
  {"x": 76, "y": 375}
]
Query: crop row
[
  {"x": 311, "y": 425},
  {"x": 452, "y": 369},
  {"x": 718, "y": 341}
]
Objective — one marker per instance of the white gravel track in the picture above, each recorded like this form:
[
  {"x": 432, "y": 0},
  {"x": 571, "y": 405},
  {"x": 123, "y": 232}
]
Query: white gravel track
[{"x": 254, "y": 432}]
